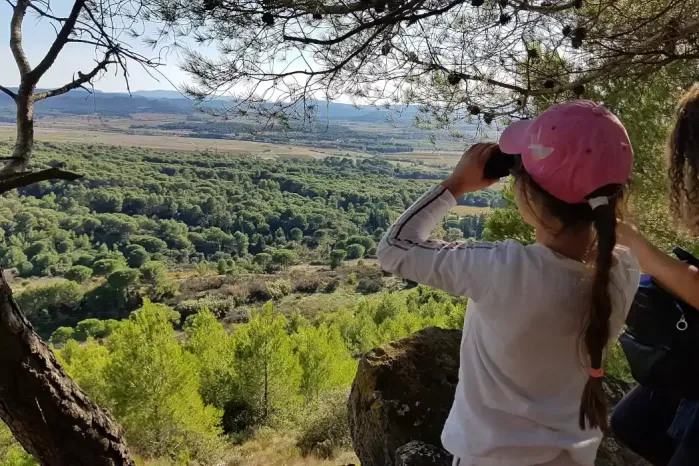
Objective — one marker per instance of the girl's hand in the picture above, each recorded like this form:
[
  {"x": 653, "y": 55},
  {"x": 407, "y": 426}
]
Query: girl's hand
[{"x": 468, "y": 174}]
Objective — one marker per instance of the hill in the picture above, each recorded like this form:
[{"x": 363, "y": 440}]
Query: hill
[{"x": 80, "y": 102}]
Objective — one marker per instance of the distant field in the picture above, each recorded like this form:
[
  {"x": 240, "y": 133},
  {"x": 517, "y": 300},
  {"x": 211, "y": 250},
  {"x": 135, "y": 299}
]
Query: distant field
[
  {"x": 174, "y": 143},
  {"x": 144, "y": 130},
  {"x": 470, "y": 210},
  {"x": 428, "y": 158}
]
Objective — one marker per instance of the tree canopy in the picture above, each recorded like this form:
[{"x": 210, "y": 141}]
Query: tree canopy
[{"x": 458, "y": 59}]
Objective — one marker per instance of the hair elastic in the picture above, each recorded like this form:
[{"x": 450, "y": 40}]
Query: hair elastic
[
  {"x": 598, "y": 201},
  {"x": 596, "y": 373}
]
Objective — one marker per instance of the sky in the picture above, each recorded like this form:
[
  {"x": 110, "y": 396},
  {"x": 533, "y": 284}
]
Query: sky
[{"x": 37, "y": 38}]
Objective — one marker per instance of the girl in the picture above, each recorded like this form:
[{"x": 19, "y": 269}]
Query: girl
[
  {"x": 530, "y": 389},
  {"x": 658, "y": 425}
]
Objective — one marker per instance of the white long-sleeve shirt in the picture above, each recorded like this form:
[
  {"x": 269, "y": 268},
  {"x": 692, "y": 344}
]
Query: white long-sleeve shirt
[{"x": 521, "y": 373}]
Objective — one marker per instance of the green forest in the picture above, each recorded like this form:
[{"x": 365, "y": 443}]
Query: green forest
[
  {"x": 116, "y": 235},
  {"x": 184, "y": 396},
  {"x": 201, "y": 298}
]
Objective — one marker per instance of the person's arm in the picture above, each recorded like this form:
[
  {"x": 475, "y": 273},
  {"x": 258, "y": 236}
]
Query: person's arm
[
  {"x": 677, "y": 277},
  {"x": 457, "y": 268}
]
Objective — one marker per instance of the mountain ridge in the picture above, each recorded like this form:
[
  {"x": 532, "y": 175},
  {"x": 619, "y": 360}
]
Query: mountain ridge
[{"x": 112, "y": 104}]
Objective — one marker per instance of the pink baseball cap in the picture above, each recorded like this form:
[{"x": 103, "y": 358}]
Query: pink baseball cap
[{"x": 572, "y": 149}]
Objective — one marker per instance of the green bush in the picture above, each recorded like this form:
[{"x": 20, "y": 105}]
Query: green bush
[
  {"x": 355, "y": 251},
  {"x": 137, "y": 257},
  {"x": 123, "y": 278},
  {"x": 153, "y": 271},
  {"x": 218, "y": 306},
  {"x": 258, "y": 291},
  {"x": 106, "y": 266},
  {"x": 25, "y": 269},
  {"x": 11, "y": 452},
  {"x": 11, "y": 257},
  {"x": 336, "y": 257},
  {"x": 279, "y": 288},
  {"x": 367, "y": 242},
  {"x": 49, "y": 297},
  {"x": 284, "y": 258},
  {"x": 325, "y": 430},
  {"x": 61, "y": 336},
  {"x": 90, "y": 328},
  {"x": 307, "y": 284},
  {"x": 79, "y": 273},
  {"x": 369, "y": 285},
  {"x": 331, "y": 286}
]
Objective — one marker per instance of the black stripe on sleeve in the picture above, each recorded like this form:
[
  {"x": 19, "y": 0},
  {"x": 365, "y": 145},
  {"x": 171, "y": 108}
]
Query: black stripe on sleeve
[{"x": 418, "y": 210}]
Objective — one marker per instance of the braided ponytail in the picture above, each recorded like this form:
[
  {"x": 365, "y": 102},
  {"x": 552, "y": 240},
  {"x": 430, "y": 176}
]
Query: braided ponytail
[{"x": 593, "y": 407}]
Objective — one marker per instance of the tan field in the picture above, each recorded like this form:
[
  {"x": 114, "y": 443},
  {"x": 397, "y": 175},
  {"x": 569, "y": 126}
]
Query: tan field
[
  {"x": 165, "y": 142},
  {"x": 464, "y": 210},
  {"x": 120, "y": 132}
]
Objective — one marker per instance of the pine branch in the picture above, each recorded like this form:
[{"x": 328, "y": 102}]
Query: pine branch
[
  {"x": 8, "y": 92},
  {"x": 79, "y": 81},
  {"x": 21, "y": 180}
]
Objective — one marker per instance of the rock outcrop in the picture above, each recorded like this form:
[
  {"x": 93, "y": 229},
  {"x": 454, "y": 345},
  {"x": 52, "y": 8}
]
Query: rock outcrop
[
  {"x": 401, "y": 398},
  {"x": 418, "y": 453}
]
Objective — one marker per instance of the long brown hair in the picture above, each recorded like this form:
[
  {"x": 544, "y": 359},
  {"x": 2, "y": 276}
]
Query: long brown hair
[
  {"x": 683, "y": 158},
  {"x": 595, "y": 335}
]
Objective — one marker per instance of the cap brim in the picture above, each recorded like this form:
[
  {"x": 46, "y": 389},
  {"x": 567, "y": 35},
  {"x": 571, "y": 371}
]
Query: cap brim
[{"x": 513, "y": 139}]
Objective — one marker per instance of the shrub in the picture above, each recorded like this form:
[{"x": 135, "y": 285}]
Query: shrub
[
  {"x": 336, "y": 257},
  {"x": 366, "y": 241},
  {"x": 110, "y": 325},
  {"x": 84, "y": 259},
  {"x": 49, "y": 297},
  {"x": 296, "y": 234},
  {"x": 239, "y": 292},
  {"x": 264, "y": 260},
  {"x": 355, "y": 251},
  {"x": 279, "y": 288},
  {"x": 331, "y": 286},
  {"x": 124, "y": 278},
  {"x": 106, "y": 266},
  {"x": 352, "y": 279},
  {"x": 153, "y": 271},
  {"x": 161, "y": 290},
  {"x": 218, "y": 306},
  {"x": 284, "y": 258},
  {"x": 308, "y": 284},
  {"x": 137, "y": 257},
  {"x": 44, "y": 263},
  {"x": 257, "y": 291},
  {"x": 25, "y": 269},
  {"x": 325, "y": 431},
  {"x": 12, "y": 256},
  {"x": 79, "y": 273},
  {"x": 369, "y": 285},
  {"x": 61, "y": 336},
  {"x": 94, "y": 328}
]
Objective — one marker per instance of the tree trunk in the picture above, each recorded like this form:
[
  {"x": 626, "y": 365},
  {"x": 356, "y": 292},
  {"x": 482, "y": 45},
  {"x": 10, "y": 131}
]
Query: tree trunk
[
  {"x": 24, "y": 145},
  {"x": 46, "y": 411}
]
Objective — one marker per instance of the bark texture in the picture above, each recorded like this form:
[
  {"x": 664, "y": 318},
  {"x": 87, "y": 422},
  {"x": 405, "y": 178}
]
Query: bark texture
[{"x": 46, "y": 411}]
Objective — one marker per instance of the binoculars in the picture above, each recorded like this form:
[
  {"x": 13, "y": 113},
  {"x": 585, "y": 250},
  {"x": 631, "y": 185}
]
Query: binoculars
[{"x": 499, "y": 165}]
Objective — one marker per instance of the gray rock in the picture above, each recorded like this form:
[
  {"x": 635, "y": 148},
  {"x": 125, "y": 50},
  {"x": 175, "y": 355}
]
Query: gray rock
[
  {"x": 418, "y": 453},
  {"x": 403, "y": 392}
]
